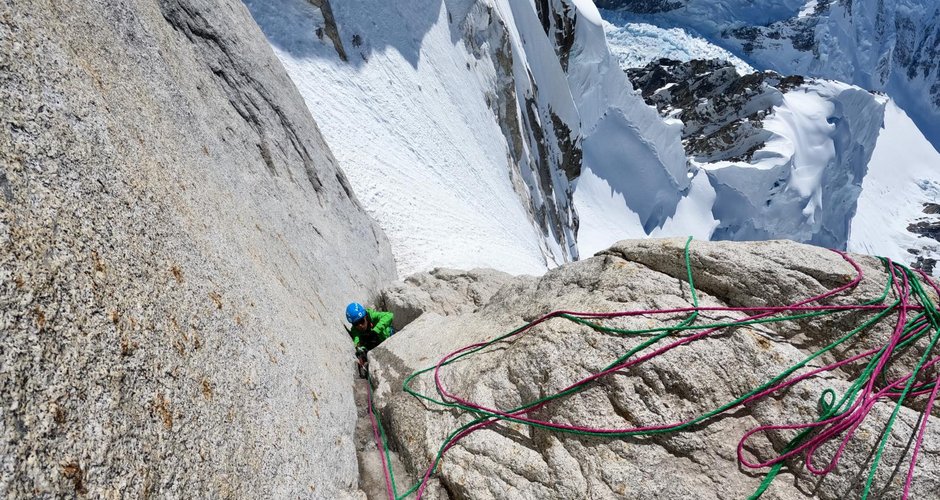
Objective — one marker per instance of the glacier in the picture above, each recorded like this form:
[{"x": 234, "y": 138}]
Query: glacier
[
  {"x": 889, "y": 46},
  {"x": 507, "y": 134}
]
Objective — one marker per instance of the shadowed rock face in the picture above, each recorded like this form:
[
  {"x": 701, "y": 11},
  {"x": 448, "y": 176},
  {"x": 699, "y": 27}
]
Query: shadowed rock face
[
  {"x": 176, "y": 246},
  {"x": 514, "y": 461}
]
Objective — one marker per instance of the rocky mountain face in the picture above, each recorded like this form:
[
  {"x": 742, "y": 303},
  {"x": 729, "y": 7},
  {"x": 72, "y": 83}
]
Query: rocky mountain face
[
  {"x": 721, "y": 111},
  {"x": 545, "y": 145},
  {"x": 510, "y": 460},
  {"x": 890, "y": 46},
  {"x": 642, "y": 6},
  {"x": 176, "y": 246}
]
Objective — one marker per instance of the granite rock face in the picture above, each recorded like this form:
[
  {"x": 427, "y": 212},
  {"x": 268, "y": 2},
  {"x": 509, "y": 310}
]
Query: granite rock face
[
  {"x": 515, "y": 461},
  {"x": 176, "y": 246},
  {"x": 442, "y": 291}
]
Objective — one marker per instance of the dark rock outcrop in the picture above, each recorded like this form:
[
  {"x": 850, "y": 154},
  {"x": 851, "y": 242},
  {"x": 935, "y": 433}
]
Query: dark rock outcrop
[
  {"x": 641, "y": 6},
  {"x": 722, "y": 112}
]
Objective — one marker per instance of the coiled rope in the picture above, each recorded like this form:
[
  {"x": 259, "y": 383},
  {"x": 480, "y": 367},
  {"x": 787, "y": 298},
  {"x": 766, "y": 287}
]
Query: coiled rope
[{"x": 917, "y": 319}]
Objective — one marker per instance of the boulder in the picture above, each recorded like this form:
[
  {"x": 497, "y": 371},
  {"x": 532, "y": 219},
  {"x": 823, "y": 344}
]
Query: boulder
[{"x": 512, "y": 460}]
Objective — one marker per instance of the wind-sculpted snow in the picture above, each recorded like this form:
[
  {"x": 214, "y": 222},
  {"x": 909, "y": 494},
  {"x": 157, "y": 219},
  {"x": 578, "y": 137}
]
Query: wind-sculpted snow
[
  {"x": 892, "y": 46},
  {"x": 785, "y": 156},
  {"x": 788, "y": 160},
  {"x": 634, "y": 172},
  {"x": 804, "y": 183}
]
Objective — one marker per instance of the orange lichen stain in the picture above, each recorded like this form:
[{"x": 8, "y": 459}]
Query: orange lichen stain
[
  {"x": 98, "y": 262},
  {"x": 73, "y": 471},
  {"x": 58, "y": 413},
  {"x": 206, "y": 389},
  {"x": 177, "y": 273},
  {"x": 128, "y": 347},
  {"x": 764, "y": 343},
  {"x": 179, "y": 345},
  {"x": 217, "y": 299},
  {"x": 162, "y": 408},
  {"x": 40, "y": 318}
]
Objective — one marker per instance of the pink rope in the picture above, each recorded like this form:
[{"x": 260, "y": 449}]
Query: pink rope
[
  {"x": 847, "y": 422},
  {"x": 444, "y": 393},
  {"x": 519, "y": 415},
  {"x": 927, "y": 411}
]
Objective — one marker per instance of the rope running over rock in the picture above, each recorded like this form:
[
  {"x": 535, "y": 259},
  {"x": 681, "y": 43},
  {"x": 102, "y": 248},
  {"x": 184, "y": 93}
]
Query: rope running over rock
[{"x": 917, "y": 319}]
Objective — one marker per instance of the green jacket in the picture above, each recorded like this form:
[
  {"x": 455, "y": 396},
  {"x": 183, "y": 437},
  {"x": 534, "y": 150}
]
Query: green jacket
[{"x": 381, "y": 329}]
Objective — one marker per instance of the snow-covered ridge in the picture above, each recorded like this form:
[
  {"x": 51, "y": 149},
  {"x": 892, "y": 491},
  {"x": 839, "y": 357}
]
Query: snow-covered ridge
[
  {"x": 785, "y": 156},
  {"x": 435, "y": 116},
  {"x": 505, "y": 134},
  {"x": 811, "y": 160},
  {"x": 886, "y": 46},
  {"x": 485, "y": 119}
]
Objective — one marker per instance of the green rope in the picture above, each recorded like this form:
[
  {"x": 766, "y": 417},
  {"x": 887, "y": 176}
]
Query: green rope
[{"x": 828, "y": 406}]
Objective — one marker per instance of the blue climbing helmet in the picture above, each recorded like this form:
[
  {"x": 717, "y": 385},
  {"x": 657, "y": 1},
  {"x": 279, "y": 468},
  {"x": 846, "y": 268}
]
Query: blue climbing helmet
[{"x": 355, "y": 312}]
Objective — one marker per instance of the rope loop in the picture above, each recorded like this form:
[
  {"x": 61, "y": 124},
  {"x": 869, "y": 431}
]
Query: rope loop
[{"x": 904, "y": 300}]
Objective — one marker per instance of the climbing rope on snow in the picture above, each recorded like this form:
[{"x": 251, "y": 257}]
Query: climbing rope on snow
[{"x": 917, "y": 320}]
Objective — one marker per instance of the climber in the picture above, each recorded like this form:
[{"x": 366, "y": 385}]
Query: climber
[{"x": 369, "y": 327}]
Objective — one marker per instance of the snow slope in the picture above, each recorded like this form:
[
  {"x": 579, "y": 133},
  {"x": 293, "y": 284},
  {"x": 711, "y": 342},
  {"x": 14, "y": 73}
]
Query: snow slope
[
  {"x": 902, "y": 178},
  {"x": 408, "y": 120},
  {"x": 476, "y": 131},
  {"x": 505, "y": 134}
]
